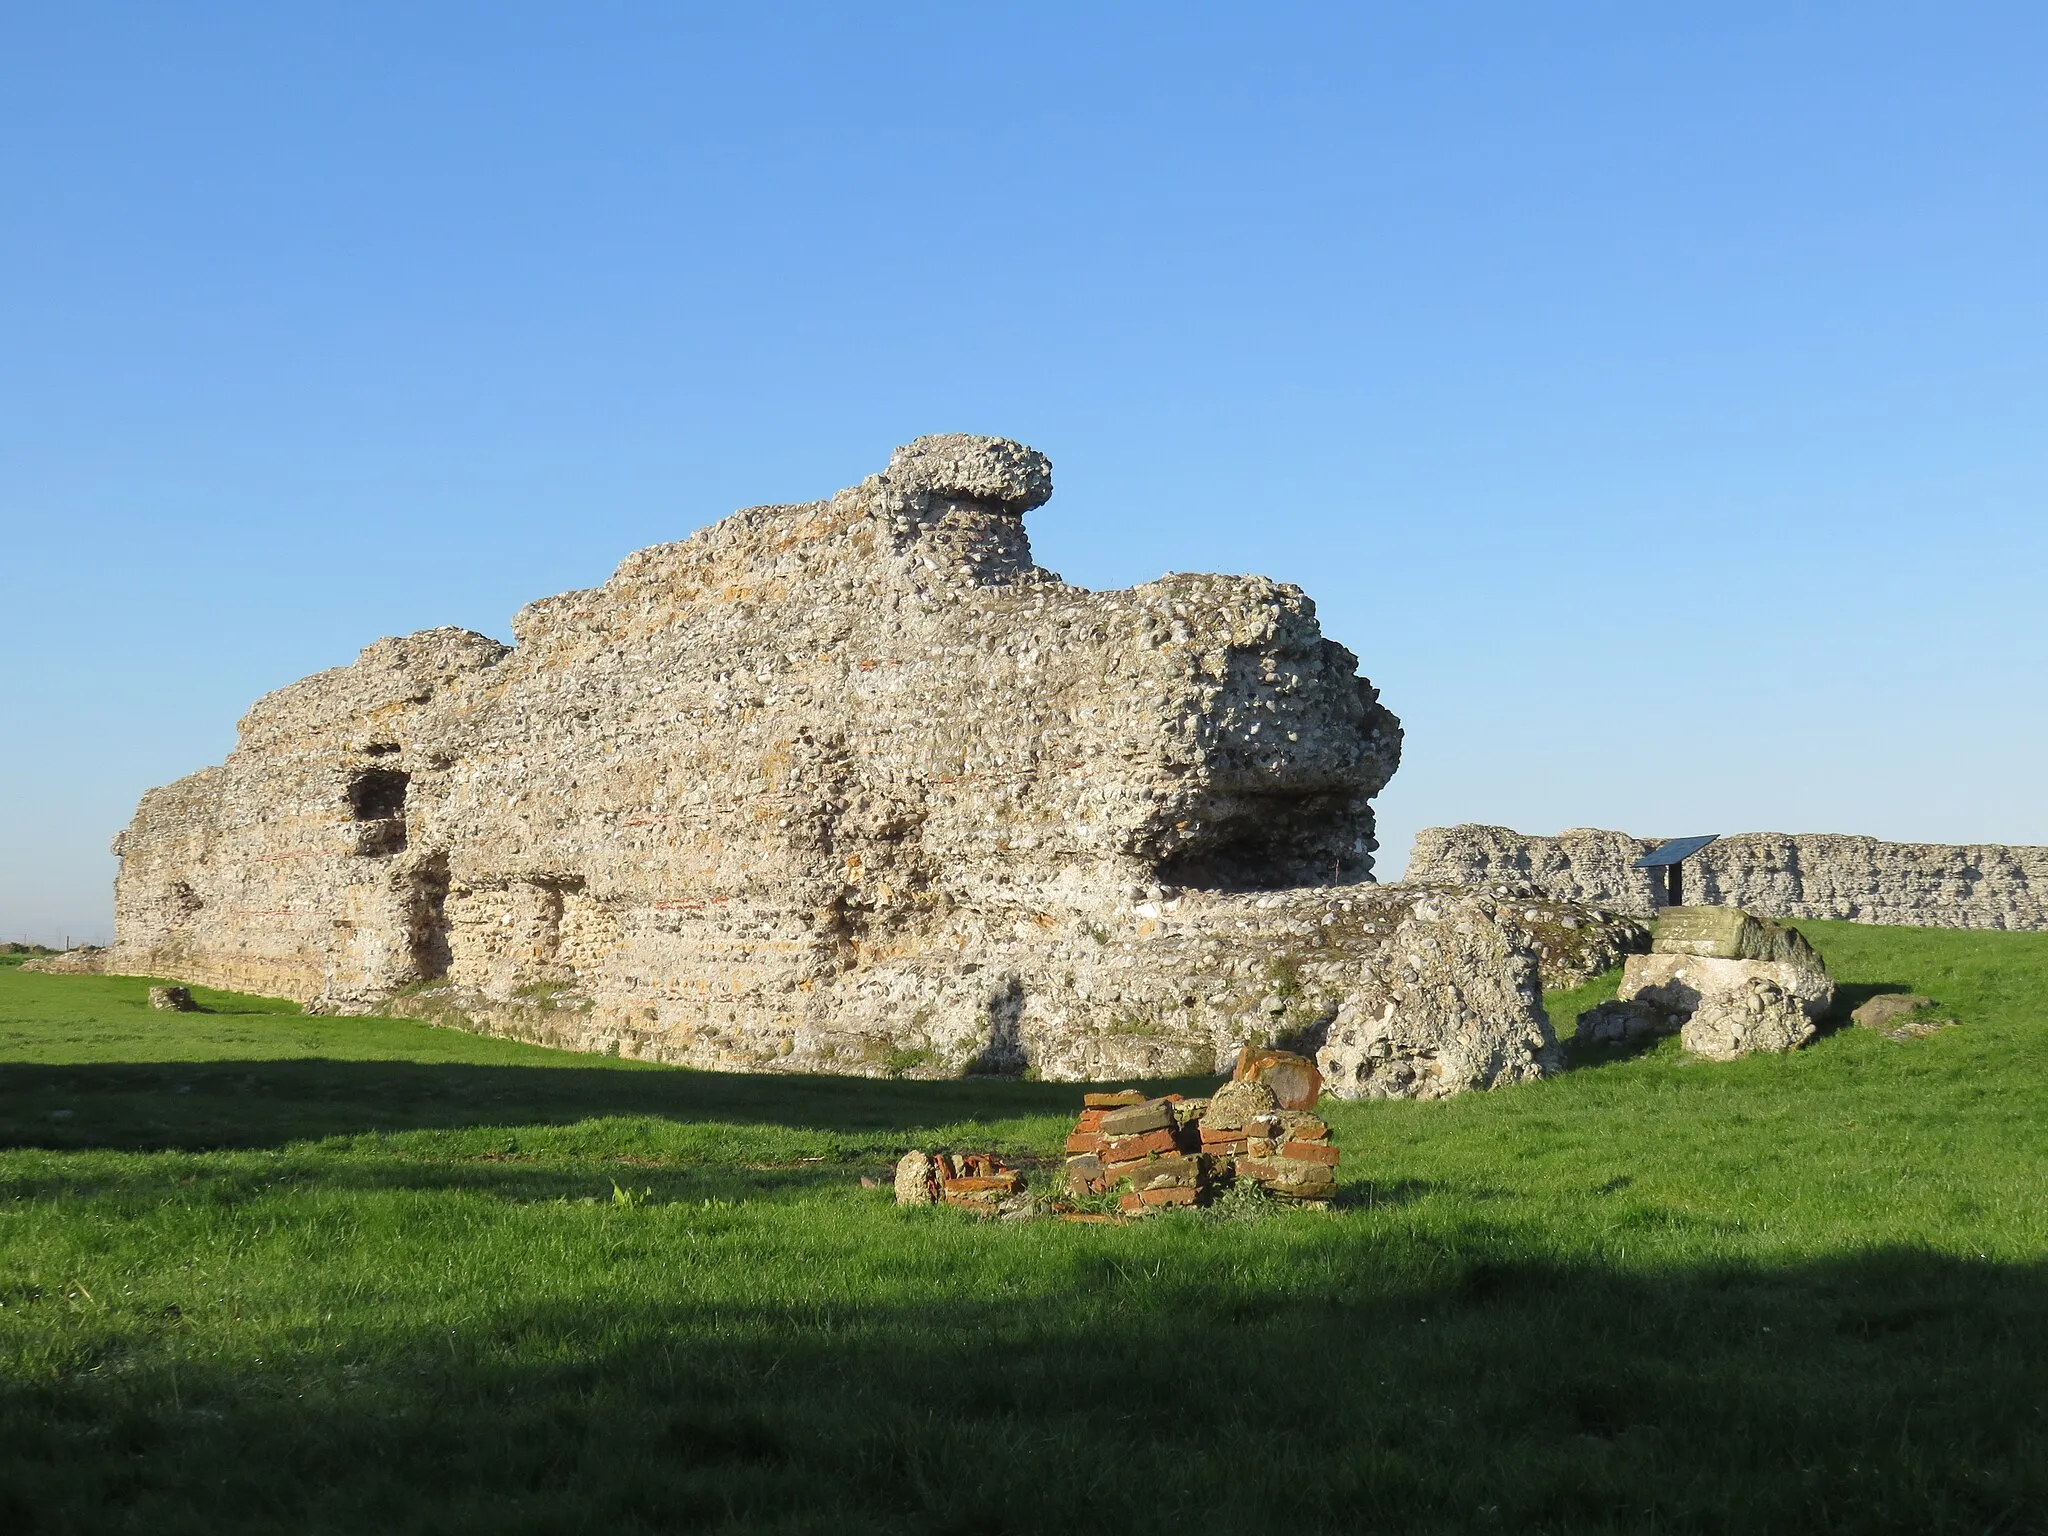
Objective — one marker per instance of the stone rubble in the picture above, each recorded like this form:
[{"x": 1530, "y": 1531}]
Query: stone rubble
[
  {"x": 1808, "y": 875},
  {"x": 1727, "y": 982},
  {"x": 86, "y": 960},
  {"x": 855, "y": 787}
]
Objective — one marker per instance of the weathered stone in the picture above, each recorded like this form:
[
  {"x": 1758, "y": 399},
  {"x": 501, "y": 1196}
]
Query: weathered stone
[
  {"x": 1237, "y": 1103},
  {"x": 1729, "y": 933},
  {"x": 917, "y": 1180},
  {"x": 1815, "y": 875},
  {"x": 1288, "y": 1176},
  {"x": 1756, "y": 1015},
  {"x": 1084, "y": 1174},
  {"x": 1677, "y": 983},
  {"x": 1123, "y": 1098},
  {"x": 851, "y": 786},
  {"x": 1138, "y": 1119},
  {"x": 173, "y": 999},
  {"x": 1164, "y": 1171},
  {"x": 1295, "y": 1082},
  {"x": 1885, "y": 1009},
  {"x": 1727, "y": 1007}
]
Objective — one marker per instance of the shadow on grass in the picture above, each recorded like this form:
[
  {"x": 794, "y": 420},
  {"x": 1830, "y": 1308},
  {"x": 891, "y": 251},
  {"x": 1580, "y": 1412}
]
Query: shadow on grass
[
  {"x": 160, "y": 1106},
  {"x": 1416, "y": 1387}
]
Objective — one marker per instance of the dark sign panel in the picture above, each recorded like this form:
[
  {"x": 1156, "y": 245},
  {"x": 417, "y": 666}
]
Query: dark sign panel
[{"x": 1678, "y": 848}]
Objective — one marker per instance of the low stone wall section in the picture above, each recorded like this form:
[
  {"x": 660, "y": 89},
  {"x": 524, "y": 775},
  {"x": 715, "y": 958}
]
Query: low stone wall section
[{"x": 1811, "y": 875}]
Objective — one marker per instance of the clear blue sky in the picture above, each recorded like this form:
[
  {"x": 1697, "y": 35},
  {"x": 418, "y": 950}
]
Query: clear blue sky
[{"x": 1652, "y": 396}]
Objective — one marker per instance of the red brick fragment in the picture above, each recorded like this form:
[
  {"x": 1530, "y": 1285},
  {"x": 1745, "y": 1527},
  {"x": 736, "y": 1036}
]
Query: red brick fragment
[
  {"x": 1311, "y": 1152},
  {"x": 1124, "y": 1149},
  {"x": 1091, "y": 1120},
  {"x": 1083, "y": 1141},
  {"x": 1132, "y": 1203},
  {"x": 1123, "y": 1100},
  {"x": 1175, "y": 1195},
  {"x": 1089, "y": 1217}
]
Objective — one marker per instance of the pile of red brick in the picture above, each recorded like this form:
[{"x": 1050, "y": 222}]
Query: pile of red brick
[
  {"x": 1257, "y": 1129},
  {"x": 973, "y": 1181}
]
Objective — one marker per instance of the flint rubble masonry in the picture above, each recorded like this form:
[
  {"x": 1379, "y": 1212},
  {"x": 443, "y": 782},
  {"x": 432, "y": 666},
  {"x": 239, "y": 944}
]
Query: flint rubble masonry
[
  {"x": 1814, "y": 875},
  {"x": 855, "y": 787}
]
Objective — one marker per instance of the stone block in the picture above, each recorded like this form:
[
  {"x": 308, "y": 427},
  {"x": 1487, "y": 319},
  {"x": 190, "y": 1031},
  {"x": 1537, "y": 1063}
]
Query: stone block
[
  {"x": 172, "y": 999},
  {"x": 1161, "y": 1172},
  {"x": 1728, "y": 1008},
  {"x": 917, "y": 1180},
  {"x": 1084, "y": 1175},
  {"x": 1288, "y": 1175},
  {"x": 1882, "y": 1011},
  {"x": 1730, "y": 933},
  {"x": 1154, "y": 1115}
]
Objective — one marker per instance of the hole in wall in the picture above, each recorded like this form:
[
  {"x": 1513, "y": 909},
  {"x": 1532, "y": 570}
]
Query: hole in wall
[{"x": 378, "y": 794}]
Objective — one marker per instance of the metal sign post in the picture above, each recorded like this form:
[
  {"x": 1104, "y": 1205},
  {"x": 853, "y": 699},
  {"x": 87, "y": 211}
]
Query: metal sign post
[{"x": 1670, "y": 857}]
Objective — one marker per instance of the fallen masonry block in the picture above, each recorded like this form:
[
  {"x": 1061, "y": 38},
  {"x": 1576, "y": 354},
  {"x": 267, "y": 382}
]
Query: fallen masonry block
[
  {"x": 1154, "y": 1115},
  {"x": 1289, "y": 1180},
  {"x": 1119, "y": 1100},
  {"x": 1163, "y": 1172}
]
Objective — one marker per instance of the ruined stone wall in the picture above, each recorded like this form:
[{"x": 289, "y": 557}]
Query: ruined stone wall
[
  {"x": 847, "y": 786},
  {"x": 1929, "y": 885}
]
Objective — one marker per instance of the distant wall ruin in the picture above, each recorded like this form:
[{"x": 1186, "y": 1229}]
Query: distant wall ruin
[
  {"x": 1860, "y": 879},
  {"x": 851, "y": 786}
]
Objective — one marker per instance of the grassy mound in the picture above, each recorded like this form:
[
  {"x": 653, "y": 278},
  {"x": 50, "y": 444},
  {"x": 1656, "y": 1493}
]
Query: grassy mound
[{"x": 260, "y": 1271}]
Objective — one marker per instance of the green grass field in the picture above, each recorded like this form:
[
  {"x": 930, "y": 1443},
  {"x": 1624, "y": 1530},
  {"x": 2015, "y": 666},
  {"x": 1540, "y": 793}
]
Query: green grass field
[{"x": 263, "y": 1272}]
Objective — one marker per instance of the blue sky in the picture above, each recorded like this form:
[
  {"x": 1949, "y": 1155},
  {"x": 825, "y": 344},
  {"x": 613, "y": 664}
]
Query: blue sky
[{"x": 1653, "y": 397}]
